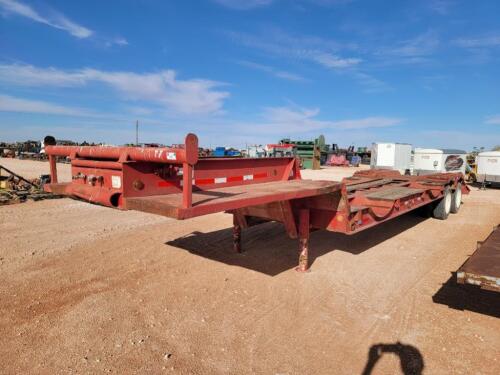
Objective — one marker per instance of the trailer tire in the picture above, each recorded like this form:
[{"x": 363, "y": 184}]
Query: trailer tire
[
  {"x": 456, "y": 199},
  {"x": 443, "y": 208}
]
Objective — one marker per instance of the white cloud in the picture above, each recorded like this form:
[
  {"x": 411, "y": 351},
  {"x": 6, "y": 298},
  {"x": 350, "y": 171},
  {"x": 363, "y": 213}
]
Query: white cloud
[
  {"x": 299, "y": 119},
  {"x": 330, "y": 2},
  {"x": 120, "y": 41},
  {"x": 28, "y": 75},
  {"x": 272, "y": 71},
  {"x": 286, "y": 119},
  {"x": 189, "y": 96},
  {"x": 251, "y": 4},
  {"x": 13, "y": 104},
  {"x": 194, "y": 96},
  {"x": 140, "y": 111},
  {"x": 57, "y": 21},
  {"x": 323, "y": 52},
  {"x": 493, "y": 120},
  {"x": 278, "y": 122},
  {"x": 485, "y": 41},
  {"x": 63, "y": 23},
  {"x": 83, "y": 115},
  {"x": 333, "y": 62},
  {"x": 21, "y": 9},
  {"x": 109, "y": 42},
  {"x": 371, "y": 84},
  {"x": 368, "y": 122},
  {"x": 441, "y": 7},
  {"x": 464, "y": 140},
  {"x": 412, "y": 50},
  {"x": 244, "y": 4},
  {"x": 314, "y": 49}
]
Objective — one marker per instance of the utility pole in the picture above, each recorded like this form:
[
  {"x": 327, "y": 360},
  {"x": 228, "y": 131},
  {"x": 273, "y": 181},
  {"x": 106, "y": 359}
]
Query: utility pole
[{"x": 137, "y": 132}]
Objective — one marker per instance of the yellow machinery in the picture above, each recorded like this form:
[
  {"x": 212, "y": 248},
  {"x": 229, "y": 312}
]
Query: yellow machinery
[{"x": 471, "y": 168}]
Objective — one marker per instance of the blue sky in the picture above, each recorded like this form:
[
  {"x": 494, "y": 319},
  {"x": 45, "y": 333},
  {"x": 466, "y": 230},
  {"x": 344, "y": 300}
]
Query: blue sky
[{"x": 239, "y": 72}]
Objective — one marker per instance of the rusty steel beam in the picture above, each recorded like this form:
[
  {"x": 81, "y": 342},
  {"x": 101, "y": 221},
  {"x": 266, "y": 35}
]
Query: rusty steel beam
[{"x": 187, "y": 154}]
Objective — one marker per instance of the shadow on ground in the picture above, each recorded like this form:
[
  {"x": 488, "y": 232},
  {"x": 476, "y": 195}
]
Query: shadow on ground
[
  {"x": 268, "y": 249},
  {"x": 411, "y": 360},
  {"x": 479, "y": 185},
  {"x": 468, "y": 297}
]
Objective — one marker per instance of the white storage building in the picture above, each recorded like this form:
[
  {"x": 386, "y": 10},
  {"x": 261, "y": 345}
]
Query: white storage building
[
  {"x": 396, "y": 156},
  {"x": 435, "y": 160},
  {"x": 488, "y": 166}
]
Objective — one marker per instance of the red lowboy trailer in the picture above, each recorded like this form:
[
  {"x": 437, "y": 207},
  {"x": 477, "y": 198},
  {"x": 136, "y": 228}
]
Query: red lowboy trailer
[{"x": 174, "y": 183}]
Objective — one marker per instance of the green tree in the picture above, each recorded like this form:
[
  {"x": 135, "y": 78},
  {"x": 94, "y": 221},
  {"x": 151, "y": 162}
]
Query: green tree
[{"x": 496, "y": 148}]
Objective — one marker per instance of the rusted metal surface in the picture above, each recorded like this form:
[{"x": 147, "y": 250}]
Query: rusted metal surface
[
  {"x": 231, "y": 198},
  {"x": 483, "y": 266},
  {"x": 187, "y": 154},
  {"x": 253, "y": 190},
  {"x": 393, "y": 193},
  {"x": 17, "y": 189},
  {"x": 18, "y": 177}
]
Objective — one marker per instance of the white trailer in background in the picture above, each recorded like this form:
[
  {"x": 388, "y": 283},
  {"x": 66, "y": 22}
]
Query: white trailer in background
[
  {"x": 396, "y": 156},
  {"x": 488, "y": 167},
  {"x": 437, "y": 160},
  {"x": 256, "y": 151}
]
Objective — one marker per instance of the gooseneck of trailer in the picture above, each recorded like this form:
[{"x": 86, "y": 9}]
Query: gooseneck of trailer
[{"x": 174, "y": 182}]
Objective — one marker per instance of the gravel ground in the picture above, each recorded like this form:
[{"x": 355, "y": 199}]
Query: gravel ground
[{"x": 88, "y": 289}]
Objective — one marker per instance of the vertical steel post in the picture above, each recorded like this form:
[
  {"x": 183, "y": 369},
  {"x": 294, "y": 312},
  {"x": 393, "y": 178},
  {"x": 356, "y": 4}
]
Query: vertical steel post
[
  {"x": 303, "y": 241},
  {"x": 53, "y": 169},
  {"x": 187, "y": 185},
  {"x": 236, "y": 235}
]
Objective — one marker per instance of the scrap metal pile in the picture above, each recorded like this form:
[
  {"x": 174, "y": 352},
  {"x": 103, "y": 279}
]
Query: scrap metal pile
[{"x": 17, "y": 189}]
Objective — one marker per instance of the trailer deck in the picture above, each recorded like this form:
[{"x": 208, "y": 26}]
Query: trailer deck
[
  {"x": 230, "y": 198},
  {"x": 483, "y": 266},
  {"x": 173, "y": 182}
]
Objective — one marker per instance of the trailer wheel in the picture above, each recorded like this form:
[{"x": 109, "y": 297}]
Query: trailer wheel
[
  {"x": 443, "y": 208},
  {"x": 456, "y": 199}
]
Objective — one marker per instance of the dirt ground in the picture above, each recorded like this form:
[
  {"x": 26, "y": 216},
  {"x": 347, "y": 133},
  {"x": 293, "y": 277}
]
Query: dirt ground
[{"x": 88, "y": 289}]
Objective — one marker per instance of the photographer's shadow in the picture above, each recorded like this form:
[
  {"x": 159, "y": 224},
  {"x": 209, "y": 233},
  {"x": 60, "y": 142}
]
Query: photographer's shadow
[{"x": 412, "y": 362}]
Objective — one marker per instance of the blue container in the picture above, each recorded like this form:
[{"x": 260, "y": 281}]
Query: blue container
[
  {"x": 219, "y": 152},
  {"x": 356, "y": 160}
]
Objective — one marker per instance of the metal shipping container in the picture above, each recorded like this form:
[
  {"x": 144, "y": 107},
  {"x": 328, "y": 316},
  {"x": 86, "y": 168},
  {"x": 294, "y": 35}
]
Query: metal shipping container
[
  {"x": 434, "y": 160},
  {"x": 488, "y": 166},
  {"x": 395, "y": 156}
]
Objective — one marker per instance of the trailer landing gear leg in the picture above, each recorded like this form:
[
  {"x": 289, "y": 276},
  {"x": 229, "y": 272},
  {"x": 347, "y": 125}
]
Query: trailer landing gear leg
[
  {"x": 236, "y": 235},
  {"x": 303, "y": 241}
]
